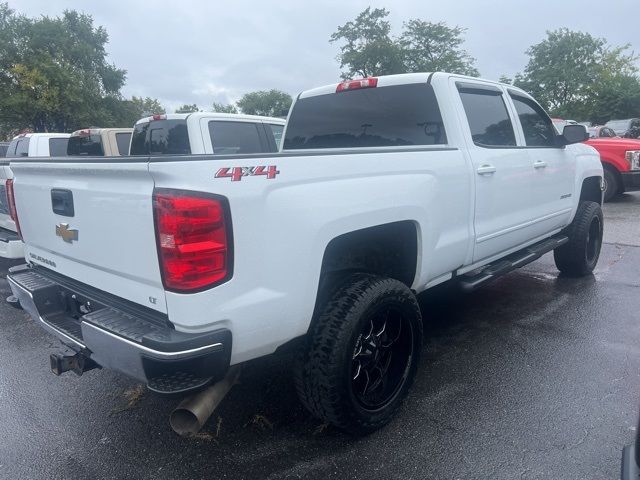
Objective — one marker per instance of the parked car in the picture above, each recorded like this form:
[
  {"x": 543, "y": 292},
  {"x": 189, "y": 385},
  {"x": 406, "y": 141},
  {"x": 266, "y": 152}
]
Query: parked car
[
  {"x": 4, "y": 146},
  {"x": 629, "y": 128},
  {"x": 619, "y": 158},
  {"x": 621, "y": 161},
  {"x": 23, "y": 145},
  {"x": 100, "y": 142},
  {"x": 601, "y": 132},
  {"x": 206, "y": 132},
  {"x": 173, "y": 268}
]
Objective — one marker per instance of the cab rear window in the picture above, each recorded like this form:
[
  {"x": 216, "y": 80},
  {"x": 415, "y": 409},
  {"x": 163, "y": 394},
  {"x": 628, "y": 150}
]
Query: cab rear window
[
  {"x": 396, "y": 115},
  {"x": 160, "y": 137},
  {"x": 85, "y": 145}
]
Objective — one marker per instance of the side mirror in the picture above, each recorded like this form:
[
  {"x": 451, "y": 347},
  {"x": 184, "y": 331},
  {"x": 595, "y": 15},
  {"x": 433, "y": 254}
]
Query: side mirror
[{"x": 573, "y": 134}]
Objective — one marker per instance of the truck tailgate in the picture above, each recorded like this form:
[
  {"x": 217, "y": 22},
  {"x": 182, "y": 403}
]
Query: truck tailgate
[{"x": 107, "y": 240}]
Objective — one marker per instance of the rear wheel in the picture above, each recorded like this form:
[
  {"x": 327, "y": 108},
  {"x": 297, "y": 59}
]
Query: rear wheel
[
  {"x": 362, "y": 354},
  {"x": 580, "y": 254}
]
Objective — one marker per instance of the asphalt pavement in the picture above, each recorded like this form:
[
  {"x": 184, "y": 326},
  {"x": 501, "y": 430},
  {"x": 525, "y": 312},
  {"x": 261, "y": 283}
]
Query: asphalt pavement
[{"x": 535, "y": 376}]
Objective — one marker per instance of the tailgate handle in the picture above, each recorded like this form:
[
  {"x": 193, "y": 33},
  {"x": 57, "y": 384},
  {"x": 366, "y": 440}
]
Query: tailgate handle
[{"x": 62, "y": 202}]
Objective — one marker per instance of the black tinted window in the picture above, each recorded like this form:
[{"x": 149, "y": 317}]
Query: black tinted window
[
  {"x": 160, "y": 137},
  {"x": 234, "y": 137},
  {"x": 3, "y": 152},
  {"x": 21, "y": 148},
  {"x": 123, "y": 140},
  {"x": 536, "y": 124},
  {"x": 86, "y": 145},
  {"x": 371, "y": 117},
  {"x": 277, "y": 133},
  {"x": 488, "y": 118}
]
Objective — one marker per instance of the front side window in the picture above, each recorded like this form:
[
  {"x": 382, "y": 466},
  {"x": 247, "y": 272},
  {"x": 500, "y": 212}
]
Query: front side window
[
  {"x": 397, "y": 115},
  {"x": 536, "y": 124},
  {"x": 230, "y": 138},
  {"x": 488, "y": 117}
]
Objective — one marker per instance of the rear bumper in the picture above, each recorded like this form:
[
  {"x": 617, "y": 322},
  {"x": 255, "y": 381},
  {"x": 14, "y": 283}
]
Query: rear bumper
[
  {"x": 631, "y": 180},
  {"x": 630, "y": 469},
  {"x": 10, "y": 244},
  {"x": 135, "y": 341}
]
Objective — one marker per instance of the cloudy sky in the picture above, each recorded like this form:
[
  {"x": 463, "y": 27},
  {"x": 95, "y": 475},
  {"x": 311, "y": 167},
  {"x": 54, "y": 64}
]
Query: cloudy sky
[{"x": 197, "y": 51}]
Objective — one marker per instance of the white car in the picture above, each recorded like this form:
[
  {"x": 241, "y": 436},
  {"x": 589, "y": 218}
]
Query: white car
[
  {"x": 23, "y": 145},
  {"x": 172, "y": 268}
]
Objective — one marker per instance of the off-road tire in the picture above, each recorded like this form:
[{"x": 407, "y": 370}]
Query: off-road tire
[
  {"x": 323, "y": 369},
  {"x": 579, "y": 256}
]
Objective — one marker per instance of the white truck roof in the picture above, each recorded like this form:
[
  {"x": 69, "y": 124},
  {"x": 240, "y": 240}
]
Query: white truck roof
[{"x": 213, "y": 115}]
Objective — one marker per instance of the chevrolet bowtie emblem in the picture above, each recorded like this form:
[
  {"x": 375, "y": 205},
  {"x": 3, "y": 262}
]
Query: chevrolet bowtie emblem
[{"x": 62, "y": 230}]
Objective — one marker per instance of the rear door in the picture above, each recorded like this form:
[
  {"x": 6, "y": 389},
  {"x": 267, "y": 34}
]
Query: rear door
[
  {"x": 502, "y": 170},
  {"x": 92, "y": 220}
]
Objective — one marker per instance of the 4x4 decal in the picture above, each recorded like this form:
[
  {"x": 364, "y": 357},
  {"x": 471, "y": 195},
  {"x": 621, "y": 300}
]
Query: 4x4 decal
[{"x": 236, "y": 173}]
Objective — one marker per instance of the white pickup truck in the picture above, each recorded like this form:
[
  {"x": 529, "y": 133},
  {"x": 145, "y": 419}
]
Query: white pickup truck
[
  {"x": 173, "y": 268},
  {"x": 23, "y": 145}
]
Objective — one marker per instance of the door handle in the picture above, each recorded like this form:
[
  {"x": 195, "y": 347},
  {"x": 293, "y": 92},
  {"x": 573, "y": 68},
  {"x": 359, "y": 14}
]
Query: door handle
[
  {"x": 539, "y": 164},
  {"x": 486, "y": 170}
]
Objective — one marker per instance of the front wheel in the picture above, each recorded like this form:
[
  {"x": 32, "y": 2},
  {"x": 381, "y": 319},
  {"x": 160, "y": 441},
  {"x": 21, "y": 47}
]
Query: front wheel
[
  {"x": 579, "y": 256},
  {"x": 362, "y": 354},
  {"x": 611, "y": 185}
]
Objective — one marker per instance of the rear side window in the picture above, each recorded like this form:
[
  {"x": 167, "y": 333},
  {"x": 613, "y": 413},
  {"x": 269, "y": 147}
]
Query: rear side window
[
  {"x": 277, "y": 132},
  {"x": 235, "y": 137},
  {"x": 488, "y": 118},
  {"x": 85, "y": 145},
  {"x": 536, "y": 124},
  {"x": 3, "y": 153},
  {"x": 123, "y": 140},
  {"x": 58, "y": 147},
  {"x": 160, "y": 137},
  {"x": 397, "y": 115}
]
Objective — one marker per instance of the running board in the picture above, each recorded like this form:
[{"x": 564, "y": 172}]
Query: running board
[{"x": 470, "y": 282}]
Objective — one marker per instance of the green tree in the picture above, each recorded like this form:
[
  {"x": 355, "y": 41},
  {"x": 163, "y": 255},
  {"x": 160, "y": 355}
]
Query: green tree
[
  {"x": 576, "y": 75},
  {"x": 54, "y": 75},
  {"x": 271, "y": 103},
  {"x": 147, "y": 106},
  {"x": 188, "y": 108},
  {"x": 433, "y": 47},
  {"x": 224, "y": 108},
  {"x": 368, "y": 48}
]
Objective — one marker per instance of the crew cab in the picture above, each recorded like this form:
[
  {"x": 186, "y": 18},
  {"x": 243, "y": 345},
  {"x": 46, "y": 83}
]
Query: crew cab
[
  {"x": 23, "y": 145},
  {"x": 206, "y": 133},
  {"x": 171, "y": 268},
  {"x": 106, "y": 142}
]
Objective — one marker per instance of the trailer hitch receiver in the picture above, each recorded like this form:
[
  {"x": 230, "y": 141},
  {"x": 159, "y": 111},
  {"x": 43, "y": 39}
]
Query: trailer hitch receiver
[{"x": 76, "y": 362}]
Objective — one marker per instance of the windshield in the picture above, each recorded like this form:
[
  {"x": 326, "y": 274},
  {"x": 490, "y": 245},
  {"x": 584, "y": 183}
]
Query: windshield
[{"x": 373, "y": 117}]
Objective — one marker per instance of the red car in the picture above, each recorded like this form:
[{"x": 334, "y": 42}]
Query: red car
[{"x": 621, "y": 161}]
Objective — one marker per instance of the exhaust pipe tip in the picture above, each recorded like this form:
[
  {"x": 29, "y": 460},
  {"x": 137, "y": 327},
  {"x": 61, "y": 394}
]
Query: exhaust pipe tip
[
  {"x": 194, "y": 411},
  {"x": 184, "y": 422}
]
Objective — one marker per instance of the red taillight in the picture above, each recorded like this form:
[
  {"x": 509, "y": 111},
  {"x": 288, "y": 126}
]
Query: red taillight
[
  {"x": 193, "y": 239},
  {"x": 368, "y": 82},
  {"x": 83, "y": 133},
  {"x": 11, "y": 199},
  {"x": 157, "y": 117}
]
